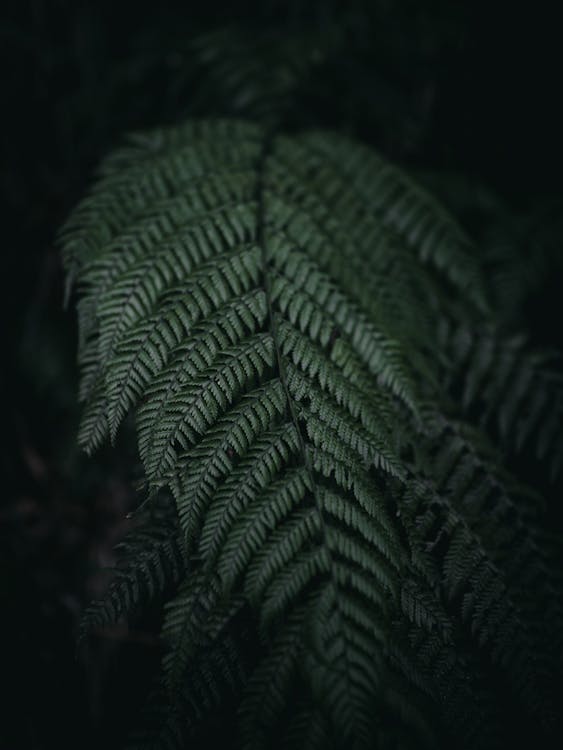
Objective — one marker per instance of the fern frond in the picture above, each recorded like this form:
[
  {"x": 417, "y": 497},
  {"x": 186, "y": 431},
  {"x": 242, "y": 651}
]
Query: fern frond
[
  {"x": 268, "y": 308},
  {"x": 151, "y": 561},
  {"x": 214, "y": 675},
  {"x": 258, "y": 76},
  {"x": 456, "y": 565},
  {"x": 515, "y": 393}
]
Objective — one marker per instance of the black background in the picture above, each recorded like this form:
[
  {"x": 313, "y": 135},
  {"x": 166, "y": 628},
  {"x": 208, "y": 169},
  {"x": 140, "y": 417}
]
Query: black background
[{"x": 466, "y": 88}]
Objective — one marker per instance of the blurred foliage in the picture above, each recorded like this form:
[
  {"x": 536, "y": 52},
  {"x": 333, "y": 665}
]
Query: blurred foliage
[{"x": 464, "y": 94}]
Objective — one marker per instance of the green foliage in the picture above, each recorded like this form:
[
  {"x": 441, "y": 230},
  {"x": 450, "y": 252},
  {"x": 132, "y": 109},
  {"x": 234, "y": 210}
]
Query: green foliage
[
  {"x": 277, "y": 313},
  {"x": 518, "y": 395},
  {"x": 151, "y": 560}
]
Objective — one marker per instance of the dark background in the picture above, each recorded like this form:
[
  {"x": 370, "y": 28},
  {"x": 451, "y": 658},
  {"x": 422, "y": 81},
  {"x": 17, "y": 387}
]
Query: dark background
[{"x": 466, "y": 95}]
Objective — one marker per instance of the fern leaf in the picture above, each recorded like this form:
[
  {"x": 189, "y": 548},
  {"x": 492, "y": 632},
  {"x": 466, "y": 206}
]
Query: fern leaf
[
  {"x": 519, "y": 393},
  {"x": 151, "y": 562},
  {"x": 267, "y": 307}
]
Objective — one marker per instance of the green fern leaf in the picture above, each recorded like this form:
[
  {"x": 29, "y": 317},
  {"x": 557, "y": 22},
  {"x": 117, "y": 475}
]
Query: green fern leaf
[{"x": 268, "y": 308}]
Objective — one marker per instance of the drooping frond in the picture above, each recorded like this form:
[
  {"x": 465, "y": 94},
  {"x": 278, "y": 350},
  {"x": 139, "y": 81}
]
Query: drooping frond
[
  {"x": 151, "y": 562},
  {"x": 269, "y": 309},
  {"x": 512, "y": 392},
  {"x": 215, "y": 673}
]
